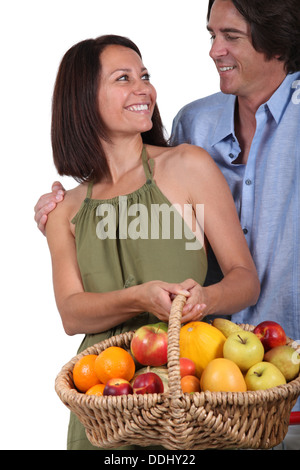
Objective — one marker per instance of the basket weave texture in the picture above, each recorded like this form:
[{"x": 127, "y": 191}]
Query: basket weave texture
[{"x": 177, "y": 420}]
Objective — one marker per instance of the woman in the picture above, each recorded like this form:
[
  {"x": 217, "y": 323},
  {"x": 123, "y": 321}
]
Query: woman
[{"x": 116, "y": 261}]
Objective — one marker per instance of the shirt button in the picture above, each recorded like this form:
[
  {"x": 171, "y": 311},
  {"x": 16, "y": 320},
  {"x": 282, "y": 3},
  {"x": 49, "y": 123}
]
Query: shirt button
[
  {"x": 231, "y": 155},
  {"x": 248, "y": 182},
  {"x": 245, "y": 231}
]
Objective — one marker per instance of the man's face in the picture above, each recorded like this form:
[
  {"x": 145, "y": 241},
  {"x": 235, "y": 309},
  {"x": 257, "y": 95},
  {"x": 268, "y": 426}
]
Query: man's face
[{"x": 243, "y": 71}]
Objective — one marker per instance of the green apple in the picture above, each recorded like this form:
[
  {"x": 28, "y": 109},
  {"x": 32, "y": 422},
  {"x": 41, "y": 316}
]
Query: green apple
[
  {"x": 264, "y": 375},
  {"x": 286, "y": 359},
  {"x": 244, "y": 348}
]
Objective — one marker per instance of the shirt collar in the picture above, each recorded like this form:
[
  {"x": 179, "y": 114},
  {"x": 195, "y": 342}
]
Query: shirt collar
[
  {"x": 276, "y": 105},
  {"x": 225, "y": 123},
  {"x": 280, "y": 99}
]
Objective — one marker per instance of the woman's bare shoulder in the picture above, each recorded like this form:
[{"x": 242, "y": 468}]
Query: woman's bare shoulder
[
  {"x": 70, "y": 205},
  {"x": 187, "y": 156}
]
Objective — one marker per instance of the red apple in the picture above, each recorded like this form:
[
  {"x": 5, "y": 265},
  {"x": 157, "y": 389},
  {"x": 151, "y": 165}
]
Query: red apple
[
  {"x": 149, "y": 345},
  {"x": 187, "y": 367},
  {"x": 271, "y": 334},
  {"x": 148, "y": 383},
  {"x": 117, "y": 387}
]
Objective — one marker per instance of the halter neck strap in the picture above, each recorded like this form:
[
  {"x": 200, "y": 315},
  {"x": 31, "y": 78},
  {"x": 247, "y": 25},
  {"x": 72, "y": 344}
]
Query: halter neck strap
[{"x": 148, "y": 164}]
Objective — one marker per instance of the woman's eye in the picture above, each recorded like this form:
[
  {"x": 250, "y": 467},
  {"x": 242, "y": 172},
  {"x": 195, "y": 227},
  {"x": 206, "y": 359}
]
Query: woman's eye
[
  {"x": 146, "y": 76},
  {"x": 123, "y": 78}
]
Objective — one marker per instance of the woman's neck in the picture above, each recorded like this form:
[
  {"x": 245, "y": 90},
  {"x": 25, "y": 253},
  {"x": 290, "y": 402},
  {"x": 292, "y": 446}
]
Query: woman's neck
[{"x": 122, "y": 155}]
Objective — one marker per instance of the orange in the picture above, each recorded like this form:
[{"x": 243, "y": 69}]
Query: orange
[
  {"x": 84, "y": 373},
  {"x": 190, "y": 384},
  {"x": 96, "y": 390},
  {"x": 222, "y": 375},
  {"x": 114, "y": 363}
]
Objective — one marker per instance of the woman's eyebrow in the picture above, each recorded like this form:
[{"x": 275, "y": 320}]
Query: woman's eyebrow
[{"x": 126, "y": 70}]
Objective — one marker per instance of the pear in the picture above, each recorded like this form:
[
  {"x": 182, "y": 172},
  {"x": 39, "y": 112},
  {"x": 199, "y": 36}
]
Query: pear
[
  {"x": 227, "y": 327},
  {"x": 286, "y": 359}
]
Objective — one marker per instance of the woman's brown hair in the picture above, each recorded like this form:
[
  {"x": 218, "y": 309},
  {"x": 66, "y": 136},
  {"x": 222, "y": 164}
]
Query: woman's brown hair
[{"x": 77, "y": 126}]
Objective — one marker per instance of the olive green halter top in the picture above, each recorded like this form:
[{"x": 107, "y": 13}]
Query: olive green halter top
[
  {"x": 125, "y": 241},
  {"x": 132, "y": 239}
]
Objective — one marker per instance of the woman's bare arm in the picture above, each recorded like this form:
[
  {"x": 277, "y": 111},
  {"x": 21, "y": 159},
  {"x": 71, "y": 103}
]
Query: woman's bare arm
[{"x": 205, "y": 184}]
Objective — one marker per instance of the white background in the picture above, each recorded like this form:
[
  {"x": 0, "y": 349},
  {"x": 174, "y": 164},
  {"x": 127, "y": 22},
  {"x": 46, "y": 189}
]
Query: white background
[{"x": 35, "y": 34}]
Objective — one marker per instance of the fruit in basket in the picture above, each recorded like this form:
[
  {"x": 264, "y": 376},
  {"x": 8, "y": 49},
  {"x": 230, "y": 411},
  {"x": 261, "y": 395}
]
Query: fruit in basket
[
  {"x": 201, "y": 342},
  {"x": 114, "y": 362},
  {"x": 149, "y": 344},
  {"x": 84, "y": 373},
  {"x": 264, "y": 375},
  {"x": 227, "y": 327},
  {"x": 222, "y": 375},
  {"x": 190, "y": 384},
  {"x": 271, "y": 334},
  {"x": 244, "y": 348},
  {"x": 96, "y": 390},
  {"x": 286, "y": 359},
  {"x": 187, "y": 367},
  {"x": 161, "y": 371},
  {"x": 162, "y": 325},
  {"x": 149, "y": 382},
  {"x": 117, "y": 387}
]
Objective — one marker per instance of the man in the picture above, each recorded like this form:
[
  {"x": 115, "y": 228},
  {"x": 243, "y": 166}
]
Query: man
[{"x": 251, "y": 129}]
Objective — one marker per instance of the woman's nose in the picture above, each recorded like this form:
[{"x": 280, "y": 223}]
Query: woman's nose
[{"x": 141, "y": 87}]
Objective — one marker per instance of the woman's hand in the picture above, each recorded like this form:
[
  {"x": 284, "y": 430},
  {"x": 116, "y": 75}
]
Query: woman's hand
[
  {"x": 157, "y": 296},
  {"x": 46, "y": 204},
  {"x": 194, "y": 309}
]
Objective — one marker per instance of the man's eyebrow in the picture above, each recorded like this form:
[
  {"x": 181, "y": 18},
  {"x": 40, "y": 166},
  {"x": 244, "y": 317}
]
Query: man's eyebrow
[{"x": 228, "y": 30}]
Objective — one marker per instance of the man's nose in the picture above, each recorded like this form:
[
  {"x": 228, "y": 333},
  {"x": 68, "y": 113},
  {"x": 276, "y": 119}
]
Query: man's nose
[{"x": 218, "y": 48}]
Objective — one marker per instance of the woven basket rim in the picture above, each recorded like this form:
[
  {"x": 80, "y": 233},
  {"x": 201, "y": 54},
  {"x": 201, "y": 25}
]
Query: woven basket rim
[{"x": 63, "y": 386}]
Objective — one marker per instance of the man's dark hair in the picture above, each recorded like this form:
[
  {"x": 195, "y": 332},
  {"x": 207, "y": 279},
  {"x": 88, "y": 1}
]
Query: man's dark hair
[
  {"x": 76, "y": 121},
  {"x": 275, "y": 28}
]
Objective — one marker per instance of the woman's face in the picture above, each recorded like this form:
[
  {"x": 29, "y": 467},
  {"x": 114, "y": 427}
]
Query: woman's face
[{"x": 126, "y": 96}]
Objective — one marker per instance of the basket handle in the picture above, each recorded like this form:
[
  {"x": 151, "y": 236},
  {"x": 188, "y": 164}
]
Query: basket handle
[{"x": 173, "y": 345}]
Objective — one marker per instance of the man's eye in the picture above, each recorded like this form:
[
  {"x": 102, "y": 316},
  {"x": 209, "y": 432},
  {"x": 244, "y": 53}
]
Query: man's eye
[
  {"x": 146, "y": 76},
  {"x": 231, "y": 38}
]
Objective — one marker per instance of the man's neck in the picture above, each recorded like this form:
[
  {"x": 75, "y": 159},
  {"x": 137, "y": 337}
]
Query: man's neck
[{"x": 245, "y": 117}]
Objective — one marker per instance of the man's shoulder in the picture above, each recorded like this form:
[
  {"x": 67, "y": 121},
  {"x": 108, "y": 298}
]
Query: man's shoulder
[
  {"x": 208, "y": 103},
  {"x": 216, "y": 100}
]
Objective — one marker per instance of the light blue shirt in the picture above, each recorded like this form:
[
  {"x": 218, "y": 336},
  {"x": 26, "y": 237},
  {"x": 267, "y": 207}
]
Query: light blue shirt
[{"x": 266, "y": 191}]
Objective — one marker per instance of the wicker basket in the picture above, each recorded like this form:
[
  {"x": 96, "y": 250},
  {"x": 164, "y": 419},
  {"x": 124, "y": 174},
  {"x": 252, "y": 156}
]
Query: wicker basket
[{"x": 177, "y": 420}]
